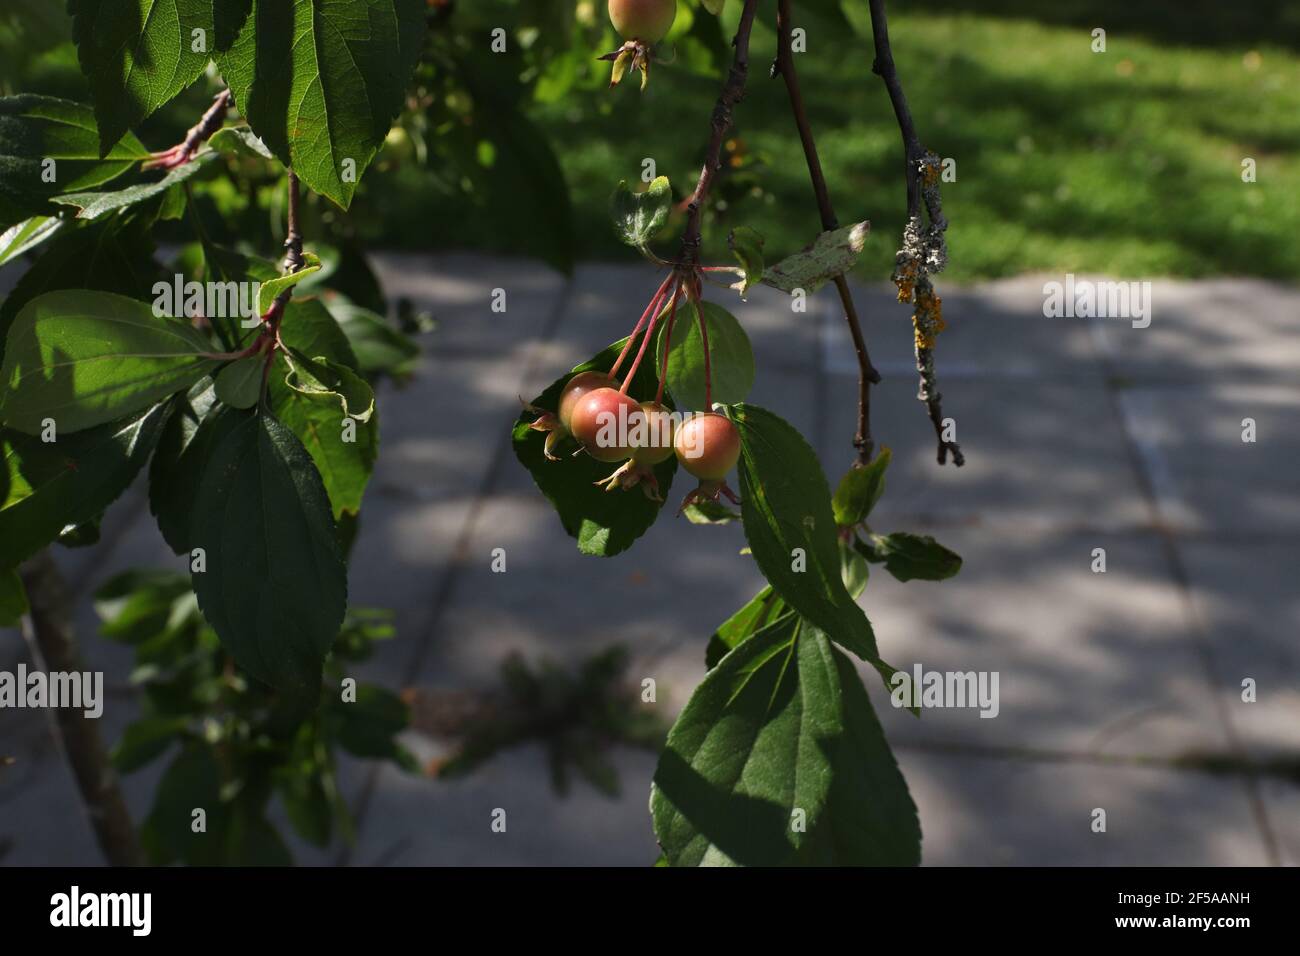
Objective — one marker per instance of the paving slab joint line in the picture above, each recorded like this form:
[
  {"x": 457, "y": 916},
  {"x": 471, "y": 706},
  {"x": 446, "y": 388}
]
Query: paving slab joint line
[
  {"x": 1144, "y": 459},
  {"x": 446, "y": 582}
]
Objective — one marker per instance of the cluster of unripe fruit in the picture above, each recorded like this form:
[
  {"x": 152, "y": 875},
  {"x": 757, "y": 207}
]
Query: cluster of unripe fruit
[{"x": 613, "y": 426}]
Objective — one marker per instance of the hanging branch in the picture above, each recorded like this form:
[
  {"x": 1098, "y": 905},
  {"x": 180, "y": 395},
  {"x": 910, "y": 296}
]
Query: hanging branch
[
  {"x": 293, "y": 234},
  {"x": 924, "y": 250},
  {"x": 48, "y": 631},
  {"x": 733, "y": 91},
  {"x": 783, "y": 66}
]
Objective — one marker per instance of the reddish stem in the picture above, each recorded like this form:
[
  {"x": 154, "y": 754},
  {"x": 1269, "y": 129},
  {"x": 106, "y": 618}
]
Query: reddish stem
[
  {"x": 704, "y": 340},
  {"x": 654, "y": 302},
  {"x": 645, "y": 342},
  {"x": 668, "y": 340}
]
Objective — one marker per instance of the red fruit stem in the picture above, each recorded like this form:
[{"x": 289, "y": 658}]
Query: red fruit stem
[
  {"x": 627, "y": 347},
  {"x": 649, "y": 334},
  {"x": 704, "y": 340},
  {"x": 668, "y": 338}
]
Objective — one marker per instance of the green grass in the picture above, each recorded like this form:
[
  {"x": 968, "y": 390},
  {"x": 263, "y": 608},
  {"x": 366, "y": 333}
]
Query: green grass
[{"x": 1126, "y": 162}]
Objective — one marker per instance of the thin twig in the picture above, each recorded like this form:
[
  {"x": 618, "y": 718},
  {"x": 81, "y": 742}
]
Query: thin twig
[
  {"x": 733, "y": 90},
  {"x": 198, "y": 134},
  {"x": 867, "y": 374},
  {"x": 923, "y": 249},
  {"x": 293, "y": 234}
]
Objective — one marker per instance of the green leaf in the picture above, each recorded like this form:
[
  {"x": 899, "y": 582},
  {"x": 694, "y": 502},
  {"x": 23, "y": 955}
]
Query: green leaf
[
  {"x": 275, "y": 587},
  {"x": 832, "y": 254},
  {"x": 145, "y": 741},
  {"x": 27, "y": 235},
  {"x": 870, "y": 819},
  {"x": 138, "y": 54},
  {"x": 252, "y": 840},
  {"x": 710, "y": 512},
  {"x": 320, "y": 83},
  {"x": 194, "y": 431},
  {"x": 314, "y": 400},
  {"x": 239, "y": 141},
  {"x": 46, "y": 486},
  {"x": 92, "y": 205},
  {"x": 34, "y": 129},
  {"x": 306, "y": 802},
  {"x": 270, "y": 289},
  {"x": 239, "y": 384},
  {"x": 749, "y": 753},
  {"x": 908, "y": 556},
  {"x": 731, "y": 357},
  {"x": 603, "y": 522},
  {"x": 638, "y": 216},
  {"x": 525, "y": 184},
  {"x": 309, "y": 328},
  {"x": 84, "y": 358},
  {"x": 747, "y": 246},
  {"x": 791, "y": 530},
  {"x": 367, "y": 726},
  {"x": 322, "y": 378},
  {"x": 860, "y": 489},
  {"x": 854, "y": 570},
  {"x": 192, "y": 781},
  {"x": 380, "y": 348},
  {"x": 142, "y": 603},
  {"x": 713, "y": 6},
  {"x": 13, "y": 598},
  {"x": 763, "y": 609},
  {"x": 113, "y": 255}
]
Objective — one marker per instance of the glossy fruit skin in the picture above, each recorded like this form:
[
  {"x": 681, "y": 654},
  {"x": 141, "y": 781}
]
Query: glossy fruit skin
[
  {"x": 646, "y": 20},
  {"x": 584, "y": 383},
  {"x": 588, "y": 422},
  {"x": 659, "y": 420},
  {"x": 715, "y": 442}
]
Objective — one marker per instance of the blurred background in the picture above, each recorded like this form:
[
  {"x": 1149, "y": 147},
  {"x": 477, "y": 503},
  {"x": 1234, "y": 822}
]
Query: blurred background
[{"x": 1119, "y": 690}]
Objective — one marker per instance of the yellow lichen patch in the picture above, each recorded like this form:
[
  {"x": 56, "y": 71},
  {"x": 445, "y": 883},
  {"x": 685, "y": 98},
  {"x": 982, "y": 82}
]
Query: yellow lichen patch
[{"x": 927, "y": 320}]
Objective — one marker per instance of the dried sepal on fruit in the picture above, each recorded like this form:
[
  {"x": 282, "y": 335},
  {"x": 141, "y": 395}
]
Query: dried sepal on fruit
[{"x": 642, "y": 24}]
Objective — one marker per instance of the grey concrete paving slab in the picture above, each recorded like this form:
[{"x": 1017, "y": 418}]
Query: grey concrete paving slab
[
  {"x": 1210, "y": 330},
  {"x": 1248, "y": 601},
  {"x": 1282, "y": 799},
  {"x": 1087, "y": 662},
  {"x": 981, "y": 812},
  {"x": 1038, "y": 455},
  {"x": 1202, "y": 473},
  {"x": 420, "y": 821},
  {"x": 458, "y": 290}
]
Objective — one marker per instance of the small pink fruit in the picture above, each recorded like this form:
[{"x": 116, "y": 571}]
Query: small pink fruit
[
  {"x": 646, "y": 20},
  {"x": 575, "y": 388},
  {"x": 708, "y": 446},
  {"x": 600, "y": 421},
  {"x": 658, "y": 435}
]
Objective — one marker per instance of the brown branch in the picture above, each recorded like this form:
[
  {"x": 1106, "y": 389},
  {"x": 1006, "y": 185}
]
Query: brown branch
[
  {"x": 883, "y": 66},
  {"x": 198, "y": 134},
  {"x": 733, "y": 91},
  {"x": 923, "y": 250},
  {"x": 867, "y": 374},
  {"x": 293, "y": 234},
  {"x": 49, "y": 634}
]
